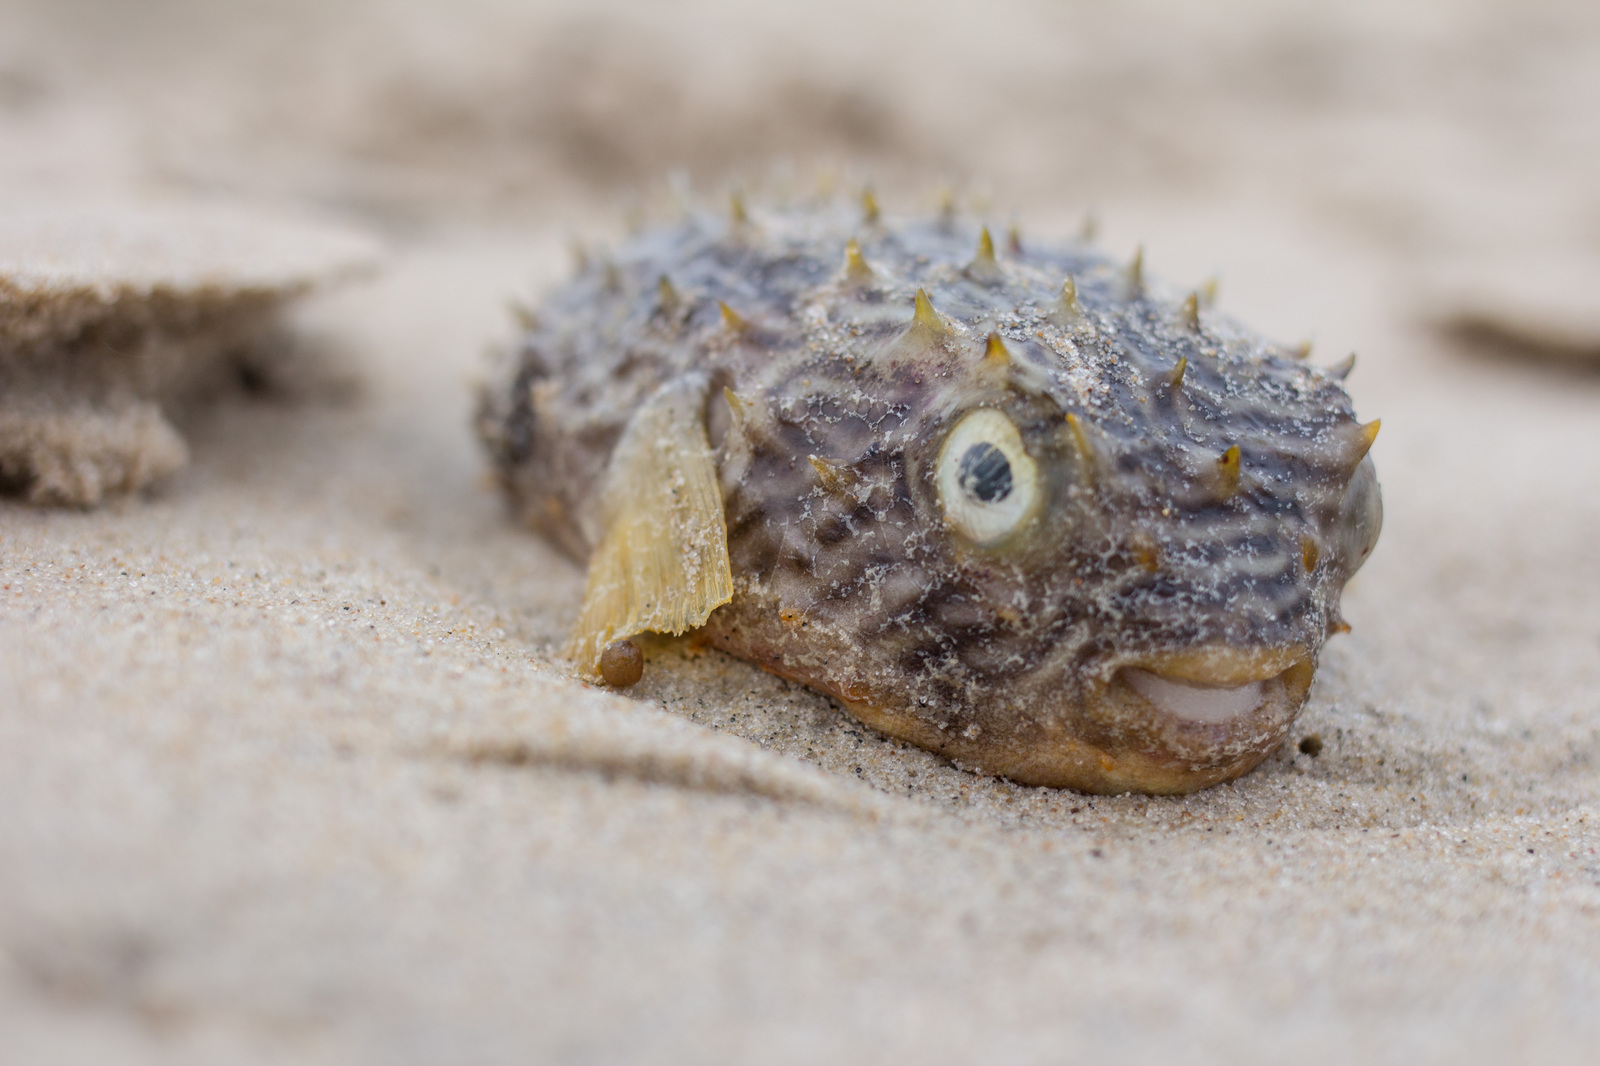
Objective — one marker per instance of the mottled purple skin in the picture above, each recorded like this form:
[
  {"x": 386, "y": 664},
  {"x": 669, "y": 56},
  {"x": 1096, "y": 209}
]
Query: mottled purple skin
[{"x": 1005, "y": 658}]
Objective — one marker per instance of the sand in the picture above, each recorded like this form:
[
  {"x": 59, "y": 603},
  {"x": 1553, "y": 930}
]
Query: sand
[{"x": 289, "y": 768}]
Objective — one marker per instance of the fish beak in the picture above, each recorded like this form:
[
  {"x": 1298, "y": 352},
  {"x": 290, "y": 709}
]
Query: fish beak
[
  {"x": 1215, "y": 686},
  {"x": 1193, "y": 702}
]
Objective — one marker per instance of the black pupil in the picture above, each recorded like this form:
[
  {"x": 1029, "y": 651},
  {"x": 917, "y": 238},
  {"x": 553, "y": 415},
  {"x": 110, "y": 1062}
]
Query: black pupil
[{"x": 985, "y": 473}]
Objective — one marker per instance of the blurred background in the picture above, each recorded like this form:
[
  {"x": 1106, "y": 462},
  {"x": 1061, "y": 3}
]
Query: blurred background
[
  {"x": 1455, "y": 143},
  {"x": 223, "y": 809}
]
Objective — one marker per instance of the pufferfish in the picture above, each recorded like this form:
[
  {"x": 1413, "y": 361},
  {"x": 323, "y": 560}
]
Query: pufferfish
[{"x": 1018, "y": 506}]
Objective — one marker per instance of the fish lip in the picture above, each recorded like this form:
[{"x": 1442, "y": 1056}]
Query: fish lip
[{"x": 1222, "y": 665}]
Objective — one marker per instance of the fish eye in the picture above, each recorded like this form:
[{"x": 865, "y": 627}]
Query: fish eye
[
  {"x": 1360, "y": 516},
  {"x": 988, "y": 484}
]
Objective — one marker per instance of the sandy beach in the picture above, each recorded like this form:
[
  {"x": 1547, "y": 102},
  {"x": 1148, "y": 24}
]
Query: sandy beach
[{"x": 291, "y": 770}]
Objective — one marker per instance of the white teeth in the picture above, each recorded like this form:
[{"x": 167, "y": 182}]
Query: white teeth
[{"x": 1197, "y": 703}]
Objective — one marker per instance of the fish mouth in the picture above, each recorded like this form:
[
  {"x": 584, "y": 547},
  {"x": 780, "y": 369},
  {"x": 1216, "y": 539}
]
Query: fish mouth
[
  {"x": 1161, "y": 722},
  {"x": 1192, "y": 702},
  {"x": 1165, "y": 722},
  {"x": 1217, "y": 686}
]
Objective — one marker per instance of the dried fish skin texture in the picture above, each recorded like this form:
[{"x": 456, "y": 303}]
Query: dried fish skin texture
[{"x": 1025, "y": 508}]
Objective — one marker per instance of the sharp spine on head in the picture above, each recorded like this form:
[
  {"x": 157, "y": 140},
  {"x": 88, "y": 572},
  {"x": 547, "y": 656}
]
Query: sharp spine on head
[
  {"x": 1351, "y": 441},
  {"x": 1175, "y": 379},
  {"x": 1013, "y": 241},
  {"x": 1067, "y": 310},
  {"x": 995, "y": 352},
  {"x": 925, "y": 319},
  {"x": 1342, "y": 368},
  {"x": 834, "y": 477},
  {"x": 1136, "y": 272},
  {"x": 1366, "y": 435},
  {"x": 1228, "y": 469},
  {"x": 1191, "y": 311},
  {"x": 1089, "y": 229},
  {"x": 1302, "y": 351},
  {"x": 857, "y": 271},
  {"x": 732, "y": 321},
  {"x": 736, "y": 209},
  {"x": 1208, "y": 292},
  {"x": 869, "y": 208},
  {"x": 984, "y": 266},
  {"x": 736, "y": 406}
]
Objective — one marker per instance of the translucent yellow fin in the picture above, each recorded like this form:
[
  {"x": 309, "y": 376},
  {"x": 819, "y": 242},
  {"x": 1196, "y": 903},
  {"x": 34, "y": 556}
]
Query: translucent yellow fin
[{"x": 662, "y": 561}]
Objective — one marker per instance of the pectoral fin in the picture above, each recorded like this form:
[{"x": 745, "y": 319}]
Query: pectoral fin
[{"x": 661, "y": 563}]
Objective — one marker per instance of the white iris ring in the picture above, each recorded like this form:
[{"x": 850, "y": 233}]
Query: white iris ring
[{"x": 988, "y": 484}]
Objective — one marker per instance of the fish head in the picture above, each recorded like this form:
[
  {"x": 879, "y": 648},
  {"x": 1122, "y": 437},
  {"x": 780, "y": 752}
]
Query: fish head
[{"x": 1127, "y": 571}]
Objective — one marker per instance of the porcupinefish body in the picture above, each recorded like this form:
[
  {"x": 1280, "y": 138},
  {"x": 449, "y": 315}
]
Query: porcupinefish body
[{"x": 1017, "y": 508}]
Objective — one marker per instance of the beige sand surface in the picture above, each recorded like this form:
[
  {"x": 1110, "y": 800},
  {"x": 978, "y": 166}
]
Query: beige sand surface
[{"x": 288, "y": 771}]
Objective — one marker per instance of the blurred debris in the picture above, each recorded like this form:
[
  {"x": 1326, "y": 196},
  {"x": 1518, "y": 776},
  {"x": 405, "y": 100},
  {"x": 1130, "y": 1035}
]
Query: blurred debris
[
  {"x": 1535, "y": 342},
  {"x": 1535, "y": 307},
  {"x": 114, "y": 317}
]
